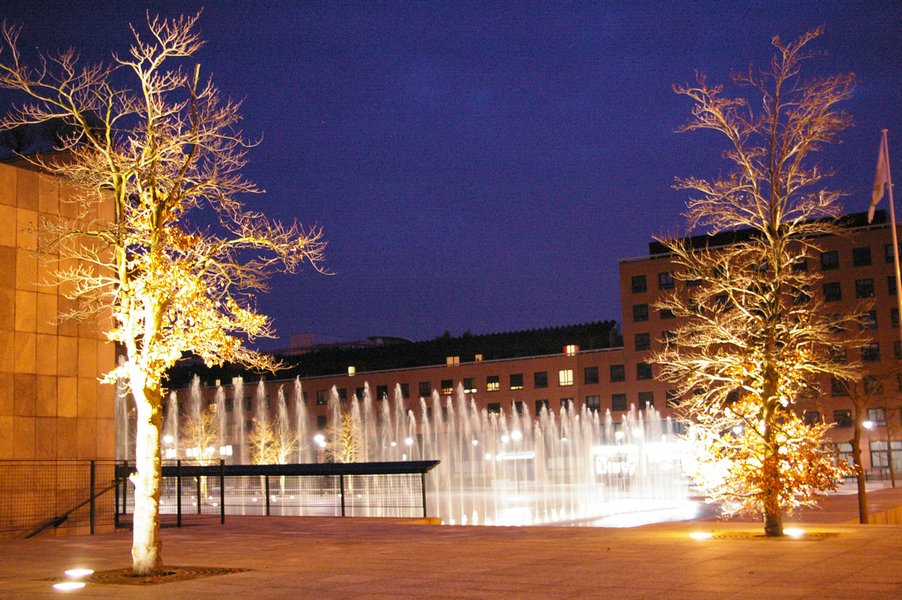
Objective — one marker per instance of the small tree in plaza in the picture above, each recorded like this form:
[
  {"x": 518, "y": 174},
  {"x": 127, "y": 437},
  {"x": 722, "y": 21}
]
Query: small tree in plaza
[
  {"x": 344, "y": 440},
  {"x": 153, "y": 139},
  {"x": 200, "y": 434},
  {"x": 754, "y": 338}
]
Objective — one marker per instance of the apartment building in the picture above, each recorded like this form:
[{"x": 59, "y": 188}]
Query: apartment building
[{"x": 610, "y": 376}]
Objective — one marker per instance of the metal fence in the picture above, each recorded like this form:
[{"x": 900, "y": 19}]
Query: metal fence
[
  {"x": 37, "y": 495},
  {"x": 387, "y": 489}
]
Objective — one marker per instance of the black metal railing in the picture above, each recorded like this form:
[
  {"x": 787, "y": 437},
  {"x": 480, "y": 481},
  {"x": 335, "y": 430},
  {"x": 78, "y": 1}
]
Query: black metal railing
[
  {"x": 36, "y": 495},
  {"x": 384, "y": 489}
]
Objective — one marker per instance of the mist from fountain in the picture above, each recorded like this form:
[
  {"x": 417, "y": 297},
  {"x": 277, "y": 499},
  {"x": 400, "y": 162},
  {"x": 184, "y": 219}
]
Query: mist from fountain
[{"x": 505, "y": 468}]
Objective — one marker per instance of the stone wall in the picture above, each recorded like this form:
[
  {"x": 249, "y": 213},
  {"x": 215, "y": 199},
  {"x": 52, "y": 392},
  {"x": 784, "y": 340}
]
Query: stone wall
[{"x": 52, "y": 405}]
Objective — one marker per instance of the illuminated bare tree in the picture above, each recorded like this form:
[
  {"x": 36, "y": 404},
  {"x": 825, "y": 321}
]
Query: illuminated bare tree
[
  {"x": 754, "y": 339},
  {"x": 158, "y": 143},
  {"x": 865, "y": 393},
  {"x": 344, "y": 444},
  {"x": 200, "y": 433},
  {"x": 264, "y": 443}
]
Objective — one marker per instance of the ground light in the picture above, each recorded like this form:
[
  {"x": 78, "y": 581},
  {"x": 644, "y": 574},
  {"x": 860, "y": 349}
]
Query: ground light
[
  {"x": 701, "y": 535},
  {"x": 79, "y": 573},
  {"x": 794, "y": 532},
  {"x": 74, "y": 583}
]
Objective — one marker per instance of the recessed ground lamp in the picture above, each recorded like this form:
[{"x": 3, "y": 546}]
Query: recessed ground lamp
[
  {"x": 794, "y": 532},
  {"x": 701, "y": 535},
  {"x": 74, "y": 584}
]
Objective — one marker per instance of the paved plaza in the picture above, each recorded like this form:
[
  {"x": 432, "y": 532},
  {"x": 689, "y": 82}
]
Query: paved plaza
[{"x": 324, "y": 558}]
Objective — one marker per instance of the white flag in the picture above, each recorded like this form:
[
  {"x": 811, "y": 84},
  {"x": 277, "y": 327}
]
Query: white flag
[{"x": 881, "y": 179}]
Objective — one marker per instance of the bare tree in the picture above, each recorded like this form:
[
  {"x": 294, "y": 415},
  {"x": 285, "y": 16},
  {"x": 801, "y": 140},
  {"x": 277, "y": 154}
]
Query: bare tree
[
  {"x": 200, "y": 433},
  {"x": 344, "y": 436},
  {"x": 754, "y": 339},
  {"x": 158, "y": 143},
  {"x": 264, "y": 443}
]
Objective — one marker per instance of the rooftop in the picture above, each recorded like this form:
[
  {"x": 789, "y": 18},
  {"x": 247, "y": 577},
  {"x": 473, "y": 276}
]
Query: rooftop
[{"x": 334, "y": 360}]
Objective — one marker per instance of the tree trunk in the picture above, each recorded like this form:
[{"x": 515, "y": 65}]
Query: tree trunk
[
  {"x": 772, "y": 482},
  {"x": 859, "y": 470},
  {"x": 771, "y": 511},
  {"x": 889, "y": 452},
  {"x": 146, "y": 545}
]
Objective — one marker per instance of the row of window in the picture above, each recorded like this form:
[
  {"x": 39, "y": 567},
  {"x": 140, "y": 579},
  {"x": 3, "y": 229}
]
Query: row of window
[
  {"x": 843, "y": 417},
  {"x": 593, "y": 402},
  {"x": 493, "y": 383},
  {"x": 864, "y": 288},
  {"x": 861, "y": 257}
]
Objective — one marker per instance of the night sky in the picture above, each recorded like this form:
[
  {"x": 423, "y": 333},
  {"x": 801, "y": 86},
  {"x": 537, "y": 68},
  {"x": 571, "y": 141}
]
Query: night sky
[{"x": 482, "y": 166}]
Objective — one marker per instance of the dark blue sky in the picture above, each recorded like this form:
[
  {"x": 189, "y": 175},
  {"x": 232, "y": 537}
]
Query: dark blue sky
[{"x": 482, "y": 166}]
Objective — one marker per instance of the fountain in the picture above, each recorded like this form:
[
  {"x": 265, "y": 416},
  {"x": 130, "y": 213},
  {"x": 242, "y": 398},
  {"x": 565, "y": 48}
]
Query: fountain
[{"x": 500, "y": 468}]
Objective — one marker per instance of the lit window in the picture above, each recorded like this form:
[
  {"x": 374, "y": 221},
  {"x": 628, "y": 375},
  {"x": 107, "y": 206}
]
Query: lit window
[
  {"x": 565, "y": 377},
  {"x": 447, "y": 387},
  {"x": 469, "y": 385},
  {"x": 877, "y": 416},
  {"x": 492, "y": 383},
  {"x": 516, "y": 381},
  {"x": 571, "y": 349}
]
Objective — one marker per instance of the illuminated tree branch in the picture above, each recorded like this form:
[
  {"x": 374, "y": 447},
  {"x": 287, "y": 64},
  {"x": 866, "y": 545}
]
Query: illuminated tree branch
[
  {"x": 155, "y": 150},
  {"x": 753, "y": 339}
]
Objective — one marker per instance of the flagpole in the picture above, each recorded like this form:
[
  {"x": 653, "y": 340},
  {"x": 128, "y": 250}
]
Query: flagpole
[{"x": 892, "y": 216}]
